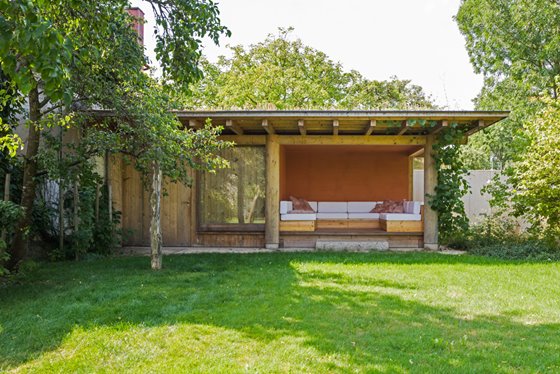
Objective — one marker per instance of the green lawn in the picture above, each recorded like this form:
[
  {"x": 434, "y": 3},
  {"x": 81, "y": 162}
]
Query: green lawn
[{"x": 313, "y": 312}]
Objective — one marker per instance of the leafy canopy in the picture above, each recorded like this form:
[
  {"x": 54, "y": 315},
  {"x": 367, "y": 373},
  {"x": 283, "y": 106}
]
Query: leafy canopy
[
  {"x": 516, "y": 45},
  {"x": 287, "y": 74}
]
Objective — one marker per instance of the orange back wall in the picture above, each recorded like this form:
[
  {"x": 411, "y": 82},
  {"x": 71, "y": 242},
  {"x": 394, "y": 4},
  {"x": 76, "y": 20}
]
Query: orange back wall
[{"x": 344, "y": 173}]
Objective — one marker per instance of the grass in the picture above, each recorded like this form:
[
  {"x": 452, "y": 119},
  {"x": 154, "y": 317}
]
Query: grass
[{"x": 314, "y": 312}]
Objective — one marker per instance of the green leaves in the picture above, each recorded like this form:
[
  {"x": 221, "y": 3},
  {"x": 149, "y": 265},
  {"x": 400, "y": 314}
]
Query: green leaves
[
  {"x": 515, "y": 44},
  {"x": 181, "y": 26},
  {"x": 534, "y": 182},
  {"x": 282, "y": 73},
  {"x": 451, "y": 184}
]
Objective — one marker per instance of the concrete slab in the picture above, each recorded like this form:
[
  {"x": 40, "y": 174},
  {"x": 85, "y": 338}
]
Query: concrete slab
[{"x": 352, "y": 246}]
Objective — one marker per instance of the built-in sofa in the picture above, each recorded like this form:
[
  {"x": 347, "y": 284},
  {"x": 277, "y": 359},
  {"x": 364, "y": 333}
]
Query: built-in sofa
[{"x": 351, "y": 215}]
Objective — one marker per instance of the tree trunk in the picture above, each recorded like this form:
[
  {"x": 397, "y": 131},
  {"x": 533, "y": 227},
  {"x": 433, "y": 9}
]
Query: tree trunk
[
  {"x": 251, "y": 213},
  {"x": 19, "y": 247},
  {"x": 155, "y": 224}
]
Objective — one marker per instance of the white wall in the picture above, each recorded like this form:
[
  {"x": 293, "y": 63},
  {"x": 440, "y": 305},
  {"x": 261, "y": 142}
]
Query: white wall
[{"x": 476, "y": 203}]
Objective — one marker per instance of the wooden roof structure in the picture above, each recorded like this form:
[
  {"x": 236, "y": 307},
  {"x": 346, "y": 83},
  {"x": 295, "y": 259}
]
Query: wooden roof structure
[{"x": 340, "y": 122}]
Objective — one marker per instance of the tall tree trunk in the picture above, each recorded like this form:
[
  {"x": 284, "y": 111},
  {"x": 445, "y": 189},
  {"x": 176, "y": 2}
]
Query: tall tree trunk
[
  {"x": 19, "y": 246},
  {"x": 155, "y": 224}
]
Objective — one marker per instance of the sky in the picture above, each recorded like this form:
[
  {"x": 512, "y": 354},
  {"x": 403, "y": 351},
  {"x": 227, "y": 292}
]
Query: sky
[{"x": 416, "y": 40}]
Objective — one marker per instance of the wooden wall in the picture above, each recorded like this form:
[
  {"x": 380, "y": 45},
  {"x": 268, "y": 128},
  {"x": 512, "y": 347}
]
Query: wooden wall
[
  {"x": 319, "y": 173},
  {"x": 132, "y": 199},
  {"x": 313, "y": 172}
]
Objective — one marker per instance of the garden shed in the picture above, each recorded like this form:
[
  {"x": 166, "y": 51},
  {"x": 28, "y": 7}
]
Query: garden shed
[{"x": 343, "y": 167}]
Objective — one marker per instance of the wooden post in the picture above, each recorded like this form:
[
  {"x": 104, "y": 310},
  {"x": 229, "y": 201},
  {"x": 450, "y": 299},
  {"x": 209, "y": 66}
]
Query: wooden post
[
  {"x": 272, "y": 206},
  {"x": 60, "y": 216},
  {"x": 97, "y": 195},
  {"x": 76, "y": 218},
  {"x": 430, "y": 181},
  {"x": 108, "y": 183},
  {"x": 410, "y": 178},
  {"x": 193, "y": 220}
]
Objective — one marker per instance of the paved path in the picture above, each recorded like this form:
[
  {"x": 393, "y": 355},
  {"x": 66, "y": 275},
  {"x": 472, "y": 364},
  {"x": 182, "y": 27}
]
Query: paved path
[{"x": 145, "y": 251}]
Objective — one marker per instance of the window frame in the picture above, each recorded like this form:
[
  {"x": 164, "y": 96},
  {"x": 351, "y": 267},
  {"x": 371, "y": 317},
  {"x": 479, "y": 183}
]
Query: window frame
[{"x": 225, "y": 227}]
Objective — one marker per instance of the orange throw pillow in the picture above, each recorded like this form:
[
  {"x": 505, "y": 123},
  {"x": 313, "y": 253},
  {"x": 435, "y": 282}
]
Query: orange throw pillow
[
  {"x": 379, "y": 208},
  {"x": 396, "y": 207},
  {"x": 389, "y": 206}
]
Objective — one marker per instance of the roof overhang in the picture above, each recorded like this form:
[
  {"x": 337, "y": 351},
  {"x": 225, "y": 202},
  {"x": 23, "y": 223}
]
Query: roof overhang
[{"x": 340, "y": 122}]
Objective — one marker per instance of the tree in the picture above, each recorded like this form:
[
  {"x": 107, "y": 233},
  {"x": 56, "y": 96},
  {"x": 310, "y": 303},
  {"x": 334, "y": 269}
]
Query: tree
[
  {"x": 143, "y": 129},
  {"x": 534, "y": 182},
  {"x": 63, "y": 53},
  {"x": 515, "y": 44},
  {"x": 286, "y": 74}
]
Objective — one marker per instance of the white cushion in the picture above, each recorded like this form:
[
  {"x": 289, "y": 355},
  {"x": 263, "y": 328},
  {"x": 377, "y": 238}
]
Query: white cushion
[
  {"x": 400, "y": 217},
  {"x": 285, "y": 207},
  {"x": 361, "y": 206},
  {"x": 363, "y": 215},
  {"x": 416, "y": 205},
  {"x": 333, "y": 207},
  {"x": 298, "y": 217},
  {"x": 331, "y": 215}
]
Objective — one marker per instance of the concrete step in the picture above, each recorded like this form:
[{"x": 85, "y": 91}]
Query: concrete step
[{"x": 352, "y": 245}]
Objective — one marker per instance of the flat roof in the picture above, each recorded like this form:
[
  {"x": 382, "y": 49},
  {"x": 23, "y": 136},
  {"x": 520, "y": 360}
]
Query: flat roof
[{"x": 341, "y": 122}]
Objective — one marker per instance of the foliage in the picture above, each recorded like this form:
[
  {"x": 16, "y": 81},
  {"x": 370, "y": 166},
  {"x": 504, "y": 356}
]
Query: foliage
[
  {"x": 10, "y": 107},
  {"x": 286, "y": 74},
  {"x": 501, "y": 235},
  {"x": 516, "y": 45},
  {"x": 531, "y": 249},
  {"x": 72, "y": 55},
  {"x": 147, "y": 131},
  {"x": 533, "y": 183},
  {"x": 10, "y": 213},
  {"x": 451, "y": 184},
  {"x": 76, "y": 34},
  {"x": 284, "y": 312}
]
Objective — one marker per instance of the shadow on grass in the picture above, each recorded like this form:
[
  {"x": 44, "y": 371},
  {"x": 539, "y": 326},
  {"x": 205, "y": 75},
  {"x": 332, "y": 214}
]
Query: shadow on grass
[{"x": 266, "y": 297}]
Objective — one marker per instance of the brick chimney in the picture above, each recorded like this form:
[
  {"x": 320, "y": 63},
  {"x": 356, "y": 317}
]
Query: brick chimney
[{"x": 138, "y": 24}]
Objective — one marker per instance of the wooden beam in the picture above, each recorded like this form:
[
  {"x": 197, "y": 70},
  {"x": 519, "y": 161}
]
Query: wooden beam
[
  {"x": 195, "y": 124},
  {"x": 430, "y": 182},
  {"x": 301, "y": 127},
  {"x": 352, "y": 140},
  {"x": 418, "y": 153},
  {"x": 234, "y": 127},
  {"x": 372, "y": 124},
  {"x": 439, "y": 127},
  {"x": 272, "y": 197},
  {"x": 404, "y": 127},
  {"x": 335, "y": 127},
  {"x": 481, "y": 125},
  {"x": 268, "y": 127},
  {"x": 328, "y": 139},
  {"x": 245, "y": 139}
]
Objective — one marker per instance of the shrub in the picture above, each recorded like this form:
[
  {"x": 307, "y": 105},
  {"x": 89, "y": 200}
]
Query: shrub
[
  {"x": 10, "y": 213},
  {"x": 502, "y": 236}
]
